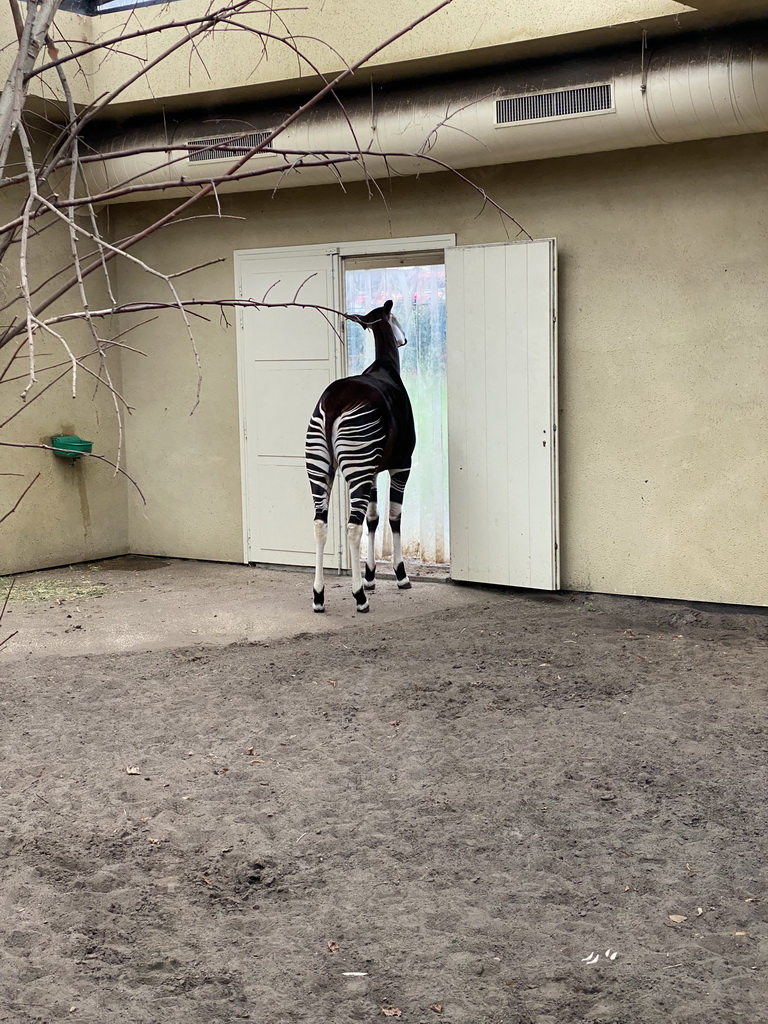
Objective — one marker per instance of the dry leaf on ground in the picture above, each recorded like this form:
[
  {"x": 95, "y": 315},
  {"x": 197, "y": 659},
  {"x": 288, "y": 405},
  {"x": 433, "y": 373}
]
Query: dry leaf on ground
[
  {"x": 391, "y": 1011},
  {"x": 678, "y": 918},
  {"x": 333, "y": 946}
]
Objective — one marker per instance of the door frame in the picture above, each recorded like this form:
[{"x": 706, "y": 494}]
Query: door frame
[{"x": 340, "y": 250}]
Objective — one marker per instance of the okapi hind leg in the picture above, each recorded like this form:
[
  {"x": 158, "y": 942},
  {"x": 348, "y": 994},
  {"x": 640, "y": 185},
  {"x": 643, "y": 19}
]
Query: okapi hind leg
[
  {"x": 372, "y": 521},
  {"x": 318, "y": 587},
  {"x": 360, "y": 485},
  {"x": 358, "y": 445},
  {"x": 320, "y": 472},
  {"x": 398, "y": 480},
  {"x": 354, "y": 536}
]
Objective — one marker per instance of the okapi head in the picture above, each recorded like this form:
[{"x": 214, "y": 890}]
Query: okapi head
[{"x": 382, "y": 315}]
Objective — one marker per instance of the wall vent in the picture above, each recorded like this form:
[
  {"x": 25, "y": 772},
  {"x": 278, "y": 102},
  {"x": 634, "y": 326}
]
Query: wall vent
[
  {"x": 589, "y": 99},
  {"x": 224, "y": 147}
]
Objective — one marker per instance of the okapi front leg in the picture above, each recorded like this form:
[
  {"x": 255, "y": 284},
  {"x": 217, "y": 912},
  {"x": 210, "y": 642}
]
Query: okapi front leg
[
  {"x": 398, "y": 480},
  {"x": 372, "y": 521}
]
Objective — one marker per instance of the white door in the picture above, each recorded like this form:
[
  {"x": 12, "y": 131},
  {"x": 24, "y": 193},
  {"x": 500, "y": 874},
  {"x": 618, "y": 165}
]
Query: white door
[
  {"x": 287, "y": 357},
  {"x": 502, "y": 413}
]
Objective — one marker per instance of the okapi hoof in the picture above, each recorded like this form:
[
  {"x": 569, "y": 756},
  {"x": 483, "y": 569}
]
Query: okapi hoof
[
  {"x": 369, "y": 583},
  {"x": 401, "y": 576},
  {"x": 318, "y": 600},
  {"x": 361, "y": 600}
]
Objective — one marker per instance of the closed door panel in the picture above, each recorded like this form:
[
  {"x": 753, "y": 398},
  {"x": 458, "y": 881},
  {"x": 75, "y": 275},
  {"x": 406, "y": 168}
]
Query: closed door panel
[
  {"x": 287, "y": 357},
  {"x": 279, "y": 540},
  {"x": 280, "y": 416},
  {"x": 289, "y": 333}
]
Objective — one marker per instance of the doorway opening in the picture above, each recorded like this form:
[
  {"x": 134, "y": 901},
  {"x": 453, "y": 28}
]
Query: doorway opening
[{"x": 416, "y": 284}]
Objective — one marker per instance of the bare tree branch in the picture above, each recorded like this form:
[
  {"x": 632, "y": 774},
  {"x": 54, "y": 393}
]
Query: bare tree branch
[
  {"x": 85, "y": 455},
  {"x": 58, "y": 195},
  {"x": 38, "y": 19},
  {"x": 206, "y": 189},
  {"x": 141, "y": 307}
]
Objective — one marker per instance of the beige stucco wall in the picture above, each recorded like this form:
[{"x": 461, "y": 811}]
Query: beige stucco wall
[
  {"x": 75, "y": 511},
  {"x": 330, "y": 34},
  {"x": 352, "y": 28},
  {"x": 663, "y": 361}
]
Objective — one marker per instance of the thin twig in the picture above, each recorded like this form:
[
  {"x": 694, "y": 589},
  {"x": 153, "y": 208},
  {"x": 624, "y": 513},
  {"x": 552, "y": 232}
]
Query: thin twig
[
  {"x": 10, "y": 513},
  {"x": 9, "y": 637},
  {"x": 124, "y": 37},
  {"x": 150, "y": 270},
  {"x": 13, "y": 581},
  {"x": 199, "y": 266}
]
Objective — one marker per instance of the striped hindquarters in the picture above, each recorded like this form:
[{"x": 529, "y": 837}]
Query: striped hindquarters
[{"x": 358, "y": 445}]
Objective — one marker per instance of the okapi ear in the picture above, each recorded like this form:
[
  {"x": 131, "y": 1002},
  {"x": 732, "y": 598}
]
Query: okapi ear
[{"x": 388, "y": 306}]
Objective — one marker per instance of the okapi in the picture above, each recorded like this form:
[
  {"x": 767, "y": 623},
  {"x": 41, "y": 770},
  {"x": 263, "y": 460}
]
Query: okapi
[{"x": 363, "y": 425}]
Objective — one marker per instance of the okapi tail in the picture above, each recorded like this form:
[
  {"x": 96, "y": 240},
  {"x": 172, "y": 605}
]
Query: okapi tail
[{"x": 319, "y": 460}]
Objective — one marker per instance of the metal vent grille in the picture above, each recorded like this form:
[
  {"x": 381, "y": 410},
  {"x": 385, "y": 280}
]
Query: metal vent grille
[
  {"x": 222, "y": 147},
  {"x": 586, "y": 100}
]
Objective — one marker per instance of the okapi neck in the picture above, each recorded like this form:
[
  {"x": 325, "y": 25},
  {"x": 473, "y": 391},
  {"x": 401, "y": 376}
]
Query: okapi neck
[{"x": 386, "y": 352}]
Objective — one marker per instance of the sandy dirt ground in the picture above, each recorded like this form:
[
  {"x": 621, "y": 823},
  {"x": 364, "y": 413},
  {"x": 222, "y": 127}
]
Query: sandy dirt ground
[{"x": 469, "y": 807}]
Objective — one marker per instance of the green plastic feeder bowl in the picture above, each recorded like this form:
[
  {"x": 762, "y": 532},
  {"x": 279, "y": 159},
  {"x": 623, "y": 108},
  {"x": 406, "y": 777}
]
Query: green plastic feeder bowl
[{"x": 70, "y": 447}]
